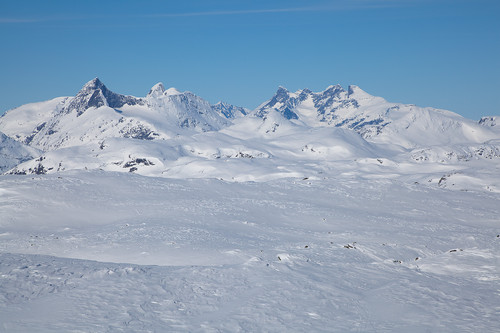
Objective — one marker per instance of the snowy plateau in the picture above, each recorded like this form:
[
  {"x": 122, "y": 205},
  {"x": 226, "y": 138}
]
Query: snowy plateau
[{"x": 332, "y": 211}]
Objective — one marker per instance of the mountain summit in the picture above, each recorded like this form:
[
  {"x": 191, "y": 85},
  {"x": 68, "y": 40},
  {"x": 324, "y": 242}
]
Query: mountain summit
[{"x": 95, "y": 94}]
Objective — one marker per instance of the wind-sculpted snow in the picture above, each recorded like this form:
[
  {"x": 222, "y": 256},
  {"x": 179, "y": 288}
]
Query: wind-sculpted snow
[{"x": 101, "y": 251}]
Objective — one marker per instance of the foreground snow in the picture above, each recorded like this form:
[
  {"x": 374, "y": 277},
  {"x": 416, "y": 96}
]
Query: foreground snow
[{"x": 102, "y": 251}]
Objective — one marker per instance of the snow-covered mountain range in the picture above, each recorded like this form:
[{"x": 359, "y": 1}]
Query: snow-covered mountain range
[
  {"x": 374, "y": 118},
  {"x": 96, "y": 113},
  {"x": 178, "y": 134}
]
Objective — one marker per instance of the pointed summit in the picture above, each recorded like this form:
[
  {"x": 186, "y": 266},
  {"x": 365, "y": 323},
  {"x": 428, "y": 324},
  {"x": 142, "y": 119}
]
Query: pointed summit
[
  {"x": 282, "y": 101},
  {"x": 94, "y": 87},
  {"x": 93, "y": 84},
  {"x": 281, "y": 96},
  {"x": 282, "y": 91},
  {"x": 92, "y": 94},
  {"x": 95, "y": 94}
]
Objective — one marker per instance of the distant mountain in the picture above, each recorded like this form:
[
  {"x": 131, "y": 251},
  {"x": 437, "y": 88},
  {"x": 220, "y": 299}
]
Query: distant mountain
[
  {"x": 178, "y": 134},
  {"x": 374, "y": 118},
  {"x": 96, "y": 113},
  {"x": 94, "y": 94}
]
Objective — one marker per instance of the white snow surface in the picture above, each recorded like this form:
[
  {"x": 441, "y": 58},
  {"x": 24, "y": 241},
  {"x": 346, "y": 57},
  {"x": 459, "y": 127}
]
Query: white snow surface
[
  {"x": 106, "y": 252},
  {"x": 13, "y": 153},
  {"x": 334, "y": 211}
]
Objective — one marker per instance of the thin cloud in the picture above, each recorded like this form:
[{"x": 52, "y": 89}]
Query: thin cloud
[
  {"x": 17, "y": 20},
  {"x": 337, "y": 6},
  {"x": 275, "y": 10},
  {"x": 237, "y": 12}
]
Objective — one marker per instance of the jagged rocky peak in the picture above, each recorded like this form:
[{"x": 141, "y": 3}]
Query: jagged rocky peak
[
  {"x": 95, "y": 94},
  {"x": 304, "y": 94},
  {"x": 283, "y": 101},
  {"x": 331, "y": 93},
  {"x": 326, "y": 102},
  {"x": 333, "y": 90},
  {"x": 281, "y": 94}
]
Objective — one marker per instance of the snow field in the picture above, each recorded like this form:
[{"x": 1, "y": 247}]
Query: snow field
[{"x": 102, "y": 251}]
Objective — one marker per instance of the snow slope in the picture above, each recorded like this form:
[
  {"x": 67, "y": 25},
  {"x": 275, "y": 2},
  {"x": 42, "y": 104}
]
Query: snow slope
[
  {"x": 103, "y": 251},
  {"x": 13, "y": 153}
]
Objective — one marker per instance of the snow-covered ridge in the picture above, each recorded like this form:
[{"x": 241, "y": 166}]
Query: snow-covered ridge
[
  {"x": 376, "y": 119},
  {"x": 177, "y": 134},
  {"x": 97, "y": 113}
]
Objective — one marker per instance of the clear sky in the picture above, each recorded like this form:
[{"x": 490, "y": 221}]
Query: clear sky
[{"x": 440, "y": 53}]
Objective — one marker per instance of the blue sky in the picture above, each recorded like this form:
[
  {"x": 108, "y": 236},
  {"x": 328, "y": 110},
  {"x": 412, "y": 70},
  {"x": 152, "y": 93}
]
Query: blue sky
[{"x": 440, "y": 53}]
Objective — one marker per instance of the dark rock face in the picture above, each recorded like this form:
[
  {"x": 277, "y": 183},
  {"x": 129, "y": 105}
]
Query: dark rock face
[
  {"x": 283, "y": 103},
  {"x": 96, "y": 94},
  {"x": 488, "y": 121},
  {"x": 324, "y": 101},
  {"x": 140, "y": 132},
  {"x": 327, "y": 104}
]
